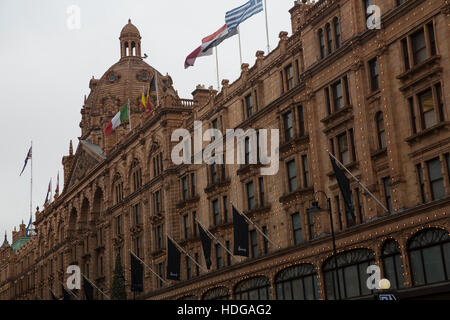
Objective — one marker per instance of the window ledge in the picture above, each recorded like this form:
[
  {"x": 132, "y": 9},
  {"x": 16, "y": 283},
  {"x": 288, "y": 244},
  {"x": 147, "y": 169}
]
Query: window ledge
[
  {"x": 379, "y": 153},
  {"x": 425, "y": 65},
  {"x": 423, "y": 134},
  {"x": 188, "y": 201},
  {"x": 211, "y": 187},
  {"x": 337, "y": 114},
  {"x": 295, "y": 141},
  {"x": 298, "y": 194},
  {"x": 350, "y": 166}
]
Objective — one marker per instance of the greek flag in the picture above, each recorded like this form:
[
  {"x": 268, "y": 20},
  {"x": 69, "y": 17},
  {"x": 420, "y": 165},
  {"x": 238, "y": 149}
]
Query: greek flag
[{"x": 234, "y": 17}]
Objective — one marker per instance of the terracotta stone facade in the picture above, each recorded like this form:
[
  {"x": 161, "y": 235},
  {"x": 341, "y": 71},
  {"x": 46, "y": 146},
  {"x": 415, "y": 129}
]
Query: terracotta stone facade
[{"x": 377, "y": 99}]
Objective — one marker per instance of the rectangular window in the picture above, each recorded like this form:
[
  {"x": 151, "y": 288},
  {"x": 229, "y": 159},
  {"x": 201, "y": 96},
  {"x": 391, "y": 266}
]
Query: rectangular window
[
  {"x": 301, "y": 121},
  {"x": 219, "y": 261},
  {"x": 119, "y": 225},
  {"x": 297, "y": 228},
  {"x": 430, "y": 30},
  {"x": 292, "y": 176},
  {"x": 157, "y": 198},
  {"x": 412, "y": 115},
  {"x": 216, "y": 214},
  {"x": 338, "y": 99},
  {"x": 261, "y": 191},
  {"x": 344, "y": 152},
  {"x": 405, "y": 54},
  {"x": 137, "y": 242},
  {"x": 225, "y": 208},
  {"x": 288, "y": 126},
  {"x": 250, "y": 195},
  {"x": 254, "y": 244},
  {"x": 193, "y": 184},
  {"x": 329, "y": 38},
  {"x": 137, "y": 218},
  {"x": 327, "y": 100},
  {"x": 160, "y": 273},
  {"x": 321, "y": 44},
  {"x": 265, "y": 241},
  {"x": 305, "y": 171},
  {"x": 249, "y": 105},
  {"x": 311, "y": 224},
  {"x": 374, "y": 75},
  {"x": 419, "y": 47},
  {"x": 439, "y": 103},
  {"x": 188, "y": 268},
  {"x": 338, "y": 211},
  {"x": 214, "y": 124},
  {"x": 194, "y": 218},
  {"x": 387, "y": 193},
  {"x": 427, "y": 111},
  {"x": 228, "y": 246},
  {"x": 421, "y": 183},
  {"x": 289, "y": 71},
  {"x": 436, "y": 179},
  {"x": 367, "y": 4},
  {"x": 184, "y": 185},
  {"x": 197, "y": 269},
  {"x": 186, "y": 226},
  {"x": 360, "y": 207},
  {"x": 213, "y": 169},
  {"x": 159, "y": 237}
]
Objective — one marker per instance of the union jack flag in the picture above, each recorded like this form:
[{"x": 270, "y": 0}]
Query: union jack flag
[{"x": 29, "y": 155}]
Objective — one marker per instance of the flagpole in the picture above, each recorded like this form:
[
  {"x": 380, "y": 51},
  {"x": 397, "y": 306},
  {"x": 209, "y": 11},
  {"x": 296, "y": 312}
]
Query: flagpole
[
  {"x": 31, "y": 182},
  {"x": 267, "y": 26},
  {"x": 240, "y": 46},
  {"x": 217, "y": 240},
  {"x": 256, "y": 227},
  {"x": 187, "y": 254},
  {"x": 109, "y": 298},
  {"x": 357, "y": 180},
  {"x": 70, "y": 291},
  {"x": 160, "y": 278},
  {"x": 217, "y": 69},
  {"x": 129, "y": 112},
  {"x": 157, "y": 88}
]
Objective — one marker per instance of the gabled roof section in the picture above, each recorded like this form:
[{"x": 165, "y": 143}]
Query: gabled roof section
[{"x": 87, "y": 157}]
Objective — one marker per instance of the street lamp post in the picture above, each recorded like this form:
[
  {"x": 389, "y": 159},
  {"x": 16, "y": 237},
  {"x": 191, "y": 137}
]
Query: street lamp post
[{"x": 316, "y": 208}]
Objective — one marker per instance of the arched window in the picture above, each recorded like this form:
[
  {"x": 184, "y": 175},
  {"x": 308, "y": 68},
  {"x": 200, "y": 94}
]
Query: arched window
[
  {"x": 220, "y": 293},
  {"x": 337, "y": 32},
  {"x": 329, "y": 38},
  {"x": 136, "y": 173},
  {"x": 321, "y": 44},
  {"x": 297, "y": 283},
  {"x": 392, "y": 264},
  {"x": 253, "y": 289},
  {"x": 381, "y": 133},
  {"x": 117, "y": 188},
  {"x": 351, "y": 271},
  {"x": 429, "y": 255}
]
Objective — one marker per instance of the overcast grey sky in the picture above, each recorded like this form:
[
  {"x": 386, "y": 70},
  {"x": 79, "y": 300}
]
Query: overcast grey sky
[{"x": 45, "y": 70}]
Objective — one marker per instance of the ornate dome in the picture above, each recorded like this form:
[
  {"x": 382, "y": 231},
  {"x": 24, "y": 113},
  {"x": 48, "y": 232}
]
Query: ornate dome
[{"x": 130, "y": 30}]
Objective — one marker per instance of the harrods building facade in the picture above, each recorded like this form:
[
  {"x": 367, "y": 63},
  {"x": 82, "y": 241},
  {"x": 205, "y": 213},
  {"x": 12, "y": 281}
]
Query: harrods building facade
[{"x": 377, "y": 99}]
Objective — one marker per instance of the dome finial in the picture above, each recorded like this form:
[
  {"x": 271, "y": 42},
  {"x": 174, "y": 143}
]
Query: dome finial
[{"x": 129, "y": 20}]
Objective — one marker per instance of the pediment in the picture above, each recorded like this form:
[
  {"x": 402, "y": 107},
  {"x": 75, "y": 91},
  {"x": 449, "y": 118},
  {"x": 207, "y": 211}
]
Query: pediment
[{"x": 87, "y": 157}]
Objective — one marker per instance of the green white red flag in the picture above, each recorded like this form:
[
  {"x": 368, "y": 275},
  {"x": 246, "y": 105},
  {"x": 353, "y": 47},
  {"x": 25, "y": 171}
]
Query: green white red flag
[{"x": 118, "y": 119}]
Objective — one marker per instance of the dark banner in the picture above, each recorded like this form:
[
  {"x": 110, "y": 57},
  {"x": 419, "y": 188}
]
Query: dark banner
[
  {"x": 137, "y": 271},
  {"x": 206, "y": 245},
  {"x": 240, "y": 227},
  {"x": 88, "y": 289},
  {"x": 173, "y": 261},
  {"x": 344, "y": 185}
]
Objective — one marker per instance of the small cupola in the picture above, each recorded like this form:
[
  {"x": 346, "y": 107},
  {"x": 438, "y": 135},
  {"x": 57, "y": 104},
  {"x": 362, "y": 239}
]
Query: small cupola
[{"x": 130, "y": 41}]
